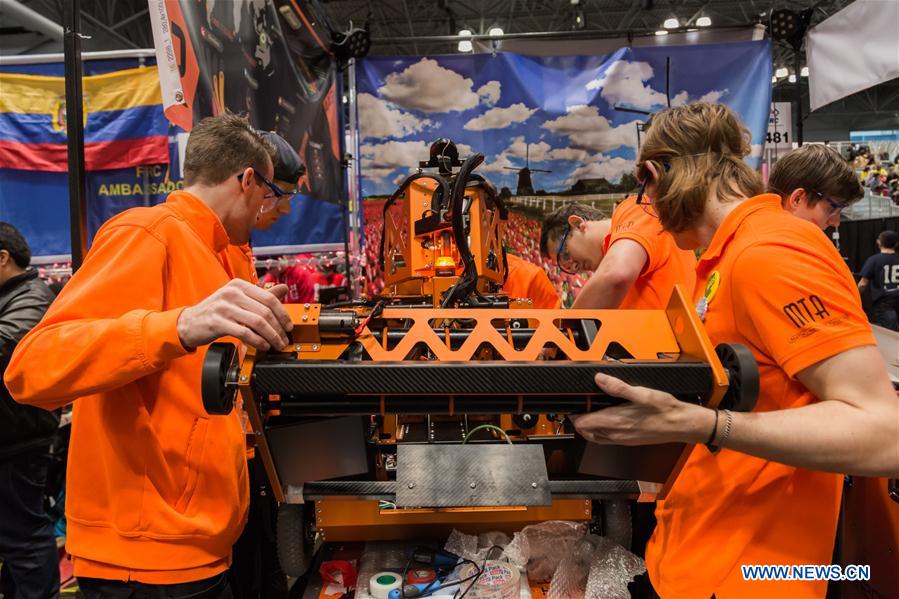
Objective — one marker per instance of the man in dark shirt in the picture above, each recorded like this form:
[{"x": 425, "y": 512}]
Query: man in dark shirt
[
  {"x": 881, "y": 272},
  {"x": 27, "y": 543}
]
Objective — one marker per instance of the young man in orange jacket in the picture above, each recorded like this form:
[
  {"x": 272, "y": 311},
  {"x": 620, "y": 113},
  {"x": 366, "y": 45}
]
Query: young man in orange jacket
[{"x": 157, "y": 490}]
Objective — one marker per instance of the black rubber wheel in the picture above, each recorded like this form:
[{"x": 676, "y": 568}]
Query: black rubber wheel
[
  {"x": 294, "y": 546},
  {"x": 217, "y": 390},
  {"x": 743, "y": 375}
]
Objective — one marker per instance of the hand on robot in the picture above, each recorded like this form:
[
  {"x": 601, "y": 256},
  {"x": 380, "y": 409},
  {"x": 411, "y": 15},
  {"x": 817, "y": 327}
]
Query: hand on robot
[
  {"x": 647, "y": 417},
  {"x": 238, "y": 309}
]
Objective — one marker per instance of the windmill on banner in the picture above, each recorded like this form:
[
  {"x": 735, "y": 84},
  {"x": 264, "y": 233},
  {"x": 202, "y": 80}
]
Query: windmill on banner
[{"x": 525, "y": 185}]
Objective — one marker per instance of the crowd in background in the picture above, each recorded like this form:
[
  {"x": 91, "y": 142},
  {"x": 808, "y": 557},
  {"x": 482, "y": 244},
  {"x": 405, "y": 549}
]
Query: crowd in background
[{"x": 876, "y": 171}]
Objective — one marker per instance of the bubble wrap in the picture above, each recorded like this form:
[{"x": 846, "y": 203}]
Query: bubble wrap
[
  {"x": 612, "y": 568},
  {"x": 476, "y": 548},
  {"x": 570, "y": 578},
  {"x": 542, "y": 546},
  {"x": 595, "y": 568}
]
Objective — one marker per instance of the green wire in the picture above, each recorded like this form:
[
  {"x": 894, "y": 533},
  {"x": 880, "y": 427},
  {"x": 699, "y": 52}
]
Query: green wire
[{"x": 483, "y": 427}]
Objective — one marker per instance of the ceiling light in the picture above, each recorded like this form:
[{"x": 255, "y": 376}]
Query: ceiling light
[
  {"x": 703, "y": 21},
  {"x": 781, "y": 72},
  {"x": 803, "y": 72},
  {"x": 465, "y": 44},
  {"x": 792, "y": 78},
  {"x": 670, "y": 23},
  {"x": 495, "y": 32},
  {"x": 662, "y": 32}
]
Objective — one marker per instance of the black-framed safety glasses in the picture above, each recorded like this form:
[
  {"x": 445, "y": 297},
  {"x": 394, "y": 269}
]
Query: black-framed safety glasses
[{"x": 269, "y": 200}]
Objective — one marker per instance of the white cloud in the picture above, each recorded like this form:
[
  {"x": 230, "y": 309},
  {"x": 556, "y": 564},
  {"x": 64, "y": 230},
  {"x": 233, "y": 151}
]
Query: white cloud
[
  {"x": 535, "y": 152},
  {"x": 380, "y": 160},
  {"x": 588, "y": 129},
  {"x": 377, "y": 119},
  {"x": 498, "y": 164},
  {"x": 624, "y": 83},
  {"x": 572, "y": 154},
  {"x": 500, "y": 118},
  {"x": 680, "y": 99},
  {"x": 713, "y": 96},
  {"x": 489, "y": 92},
  {"x": 429, "y": 87},
  {"x": 602, "y": 167}
]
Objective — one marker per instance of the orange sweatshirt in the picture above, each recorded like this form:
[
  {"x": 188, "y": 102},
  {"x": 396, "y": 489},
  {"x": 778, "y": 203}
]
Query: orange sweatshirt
[{"x": 157, "y": 490}]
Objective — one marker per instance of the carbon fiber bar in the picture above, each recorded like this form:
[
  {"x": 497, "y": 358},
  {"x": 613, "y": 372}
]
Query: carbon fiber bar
[
  {"x": 563, "y": 489},
  {"x": 317, "y": 379}
]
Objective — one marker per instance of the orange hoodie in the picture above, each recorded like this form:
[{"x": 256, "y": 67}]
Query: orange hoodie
[{"x": 157, "y": 490}]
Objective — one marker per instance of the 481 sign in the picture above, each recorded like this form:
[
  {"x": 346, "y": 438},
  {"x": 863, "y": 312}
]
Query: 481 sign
[
  {"x": 780, "y": 126},
  {"x": 776, "y": 137}
]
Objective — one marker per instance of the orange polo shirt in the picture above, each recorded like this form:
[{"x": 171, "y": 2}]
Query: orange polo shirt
[
  {"x": 157, "y": 490},
  {"x": 526, "y": 280},
  {"x": 783, "y": 291},
  {"x": 240, "y": 261},
  {"x": 666, "y": 264}
]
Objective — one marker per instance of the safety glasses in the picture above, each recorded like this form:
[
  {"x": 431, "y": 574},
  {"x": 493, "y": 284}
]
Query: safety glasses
[
  {"x": 835, "y": 207},
  {"x": 563, "y": 259},
  {"x": 269, "y": 200}
]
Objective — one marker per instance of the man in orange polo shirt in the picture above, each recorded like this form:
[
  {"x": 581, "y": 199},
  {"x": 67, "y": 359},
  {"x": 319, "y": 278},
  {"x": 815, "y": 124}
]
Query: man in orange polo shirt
[
  {"x": 156, "y": 489},
  {"x": 815, "y": 183},
  {"x": 289, "y": 169},
  {"x": 635, "y": 264},
  {"x": 529, "y": 281},
  {"x": 765, "y": 490}
]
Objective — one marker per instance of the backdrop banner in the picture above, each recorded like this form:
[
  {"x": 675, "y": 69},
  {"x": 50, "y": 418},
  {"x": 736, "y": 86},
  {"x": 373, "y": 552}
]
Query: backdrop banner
[{"x": 553, "y": 128}]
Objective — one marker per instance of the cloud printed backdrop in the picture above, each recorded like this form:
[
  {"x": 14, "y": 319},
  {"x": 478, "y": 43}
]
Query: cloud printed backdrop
[{"x": 557, "y": 110}]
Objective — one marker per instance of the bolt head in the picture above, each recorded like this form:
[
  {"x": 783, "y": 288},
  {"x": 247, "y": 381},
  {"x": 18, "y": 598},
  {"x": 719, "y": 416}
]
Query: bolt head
[
  {"x": 306, "y": 306},
  {"x": 243, "y": 377},
  {"x": 534, "y": 485},
  {"x": 305, "y": 317},
  {"x": 472, "y": 485},
  {"x": 314, "y": 348},
  {"x": 411, "y": 485}
]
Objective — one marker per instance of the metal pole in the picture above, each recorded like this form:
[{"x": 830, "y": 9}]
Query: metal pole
[
  {"x": 353, "y": 174},
  {"x": 796, "y": 67},
  {"x": 75, "y": 131}
]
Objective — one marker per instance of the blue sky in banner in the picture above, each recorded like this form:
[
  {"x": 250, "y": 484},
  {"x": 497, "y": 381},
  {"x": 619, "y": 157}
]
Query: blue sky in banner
[{"x": 561, "y": 107}]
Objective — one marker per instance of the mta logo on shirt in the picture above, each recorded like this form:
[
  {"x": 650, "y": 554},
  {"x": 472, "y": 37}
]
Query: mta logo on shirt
[{"x": 806, "y": 310}]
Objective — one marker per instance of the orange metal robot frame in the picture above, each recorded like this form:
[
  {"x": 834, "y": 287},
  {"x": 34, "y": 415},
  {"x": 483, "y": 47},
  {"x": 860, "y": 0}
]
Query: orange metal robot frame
[{"x": 444, "y": 348}]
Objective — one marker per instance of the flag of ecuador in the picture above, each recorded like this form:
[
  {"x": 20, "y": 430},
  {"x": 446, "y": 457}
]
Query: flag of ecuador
[{"x": 124, "y": 124}]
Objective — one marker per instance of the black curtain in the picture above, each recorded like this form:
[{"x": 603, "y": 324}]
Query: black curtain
[{"x": 858, "y": 239}]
